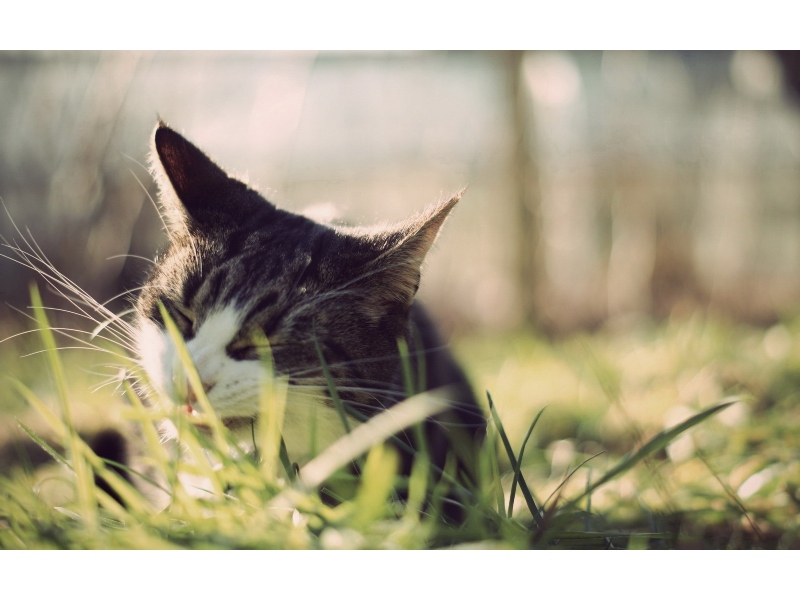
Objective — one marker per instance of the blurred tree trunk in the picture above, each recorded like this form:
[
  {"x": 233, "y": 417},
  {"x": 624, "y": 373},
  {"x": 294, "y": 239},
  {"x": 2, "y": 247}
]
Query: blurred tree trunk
[{"x": 525, "y": 180}]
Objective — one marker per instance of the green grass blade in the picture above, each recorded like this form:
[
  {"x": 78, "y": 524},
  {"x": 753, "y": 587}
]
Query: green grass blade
[
  {"x": 193, "y": 377},
  {"x": 52, "y": 420},
  {"x": 134, "y": 472},
  {"x": 586, "y": 520},
  {"x": 374, "y": 431},
  {"x": 377, "y": 482},
  {"x": 272, "y": 401},
  {"x": 659, "y": 441},
  {"x": 422, "y": 375},
  {"x": 495, "y": 484},
  {"x": 337, "y": 401},
  {"x": 418, "y": 482},
  {"x": 438, "y": 471},
  {"x": 406, "y": 368},
  {"x": 526, "y": 493},
  {"x": 515, "y": 481},
  {"x": 124, "y": 489},
  {"x": 283, "y": 454},
  {"x": 84, "y": 481},
  {"x": 155, "y": 448},
  {"x": 45, "y": 446},
  {"x": 734, "y": 497},
  {"x": 571, "y": 473}
]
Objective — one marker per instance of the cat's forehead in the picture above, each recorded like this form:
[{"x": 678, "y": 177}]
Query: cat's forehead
[{"x": 242, "y": 267}]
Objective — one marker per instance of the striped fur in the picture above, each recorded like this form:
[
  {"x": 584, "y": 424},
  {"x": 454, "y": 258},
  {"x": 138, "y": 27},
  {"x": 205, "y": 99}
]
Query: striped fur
[{"x": 238, "y": 268}]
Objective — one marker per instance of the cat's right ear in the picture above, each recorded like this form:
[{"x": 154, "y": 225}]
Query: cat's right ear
[{"x": 193, "y": 189}]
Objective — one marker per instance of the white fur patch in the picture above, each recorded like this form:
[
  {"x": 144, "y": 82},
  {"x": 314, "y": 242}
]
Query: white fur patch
[
  {"x": 155, "y": 351},
  {"x": 234, "y": 387},
  {"x": 207, "y": 348},
  {"x": 159, "y": 356}
]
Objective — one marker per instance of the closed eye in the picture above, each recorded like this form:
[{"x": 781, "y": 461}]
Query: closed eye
[
  {"x": 184, "y": 318},
  {"x": 187, "y": 313},
  {"x": 249, "y": 347}
]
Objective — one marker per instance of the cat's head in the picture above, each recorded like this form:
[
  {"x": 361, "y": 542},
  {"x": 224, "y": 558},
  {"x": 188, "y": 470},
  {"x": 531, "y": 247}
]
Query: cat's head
[{"x": 238, "y": 268}]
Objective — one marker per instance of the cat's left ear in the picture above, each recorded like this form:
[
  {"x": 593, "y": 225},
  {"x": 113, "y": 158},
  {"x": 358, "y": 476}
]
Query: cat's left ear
[
  {"x": 193, "y": 188},
  {"x": 398, "y": 269}
]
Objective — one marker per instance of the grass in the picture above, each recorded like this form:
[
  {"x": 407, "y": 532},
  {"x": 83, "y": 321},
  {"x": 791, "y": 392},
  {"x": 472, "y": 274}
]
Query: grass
[
  {"x": 678, "y": 435},
  {"x": 730, "y": 482}
]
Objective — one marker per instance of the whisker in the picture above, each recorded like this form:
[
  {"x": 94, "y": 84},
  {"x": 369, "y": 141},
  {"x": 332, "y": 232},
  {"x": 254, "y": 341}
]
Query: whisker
[
  {"x": 314, "y": 393},
  {"x": 126, "y": 332},
  {"x": 11, "y": 337},
  {"x": 150, "y": 260},
  {"x": 370, "y": 360},
  {"x": 91, "y": 334},
  {"x": 308, "y": 303},
  {"x": 62, "y": 330},
  {"x": 105, "y": 324},
  {"x": 121, "y": 294},
  {"x": 87, "y": 345},
  {"x": 60, "y": 348},
  {"x": 394, "y": 392},
  {"x": 152, "y": 200},
  {"x": 37, "y": 254}
]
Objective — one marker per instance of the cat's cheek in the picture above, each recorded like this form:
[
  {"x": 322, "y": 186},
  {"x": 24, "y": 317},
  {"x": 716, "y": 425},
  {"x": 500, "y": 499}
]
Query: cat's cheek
[
  {"x": 156, "y": 355},
  {"x": 238, "y": 389}
]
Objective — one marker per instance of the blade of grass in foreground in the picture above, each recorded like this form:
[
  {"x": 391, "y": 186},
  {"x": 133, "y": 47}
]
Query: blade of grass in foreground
[
  {"x": 495, "y": 485},
  {"x": 377, "y": 482},
  {"x": 363, "y": 437},
  {"x": 44, "y": 445},
  {"x": 337, "y": 401},
  {"x": 121, "y": 487},
  {"x": 569, "y": 476},
  {"x": 734, "y": 497},
  {"x": 445, "y": 476},
  {"x": 519, "y": 463},
  {"x": 523, "y": 486},
  {"x": 84, "y": 481},
  {"x": 656, "y": 443},
  {"x": 271, "y": 448}
]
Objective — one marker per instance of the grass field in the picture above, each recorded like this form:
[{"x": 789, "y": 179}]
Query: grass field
[
  {"x": 729, "y": 482},
  {"x": 637, "y": 447}
]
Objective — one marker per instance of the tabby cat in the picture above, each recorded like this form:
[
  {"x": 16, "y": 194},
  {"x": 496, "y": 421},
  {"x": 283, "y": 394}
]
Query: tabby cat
[{"x": 238, "y": 269}]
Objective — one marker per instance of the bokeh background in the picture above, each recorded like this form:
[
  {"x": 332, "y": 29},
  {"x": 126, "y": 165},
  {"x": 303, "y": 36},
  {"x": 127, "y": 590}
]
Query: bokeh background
[
  {"x": 627, "y": 252},
  {"x": 600, "y": 185}
]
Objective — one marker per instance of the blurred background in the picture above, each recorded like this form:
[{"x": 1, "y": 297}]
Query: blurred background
[
  {"x": 601, "y": 186},
  {"x": 627, "y": 252}
]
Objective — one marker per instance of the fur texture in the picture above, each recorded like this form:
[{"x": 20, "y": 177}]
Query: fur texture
[{"x": 238, "y": 268}]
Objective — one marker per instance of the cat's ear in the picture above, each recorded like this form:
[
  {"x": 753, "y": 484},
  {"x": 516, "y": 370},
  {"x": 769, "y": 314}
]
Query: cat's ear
[
  {"x": 397, "y": 270},
  {"x": 193, "y": 188}
]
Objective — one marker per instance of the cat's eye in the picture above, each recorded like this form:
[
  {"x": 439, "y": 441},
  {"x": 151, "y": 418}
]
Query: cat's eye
[
  {"x": 184, "y": 318},
  {"x": 187, "y": 313},
  {"x": 248, "y": 347}
]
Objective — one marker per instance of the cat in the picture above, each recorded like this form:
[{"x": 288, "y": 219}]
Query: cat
[{"x": 238, "y": 269}]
